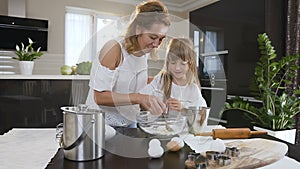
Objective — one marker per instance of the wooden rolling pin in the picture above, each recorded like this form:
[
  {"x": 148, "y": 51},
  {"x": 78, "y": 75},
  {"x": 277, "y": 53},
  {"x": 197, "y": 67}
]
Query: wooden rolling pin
[{"x": 231, "y": 133}]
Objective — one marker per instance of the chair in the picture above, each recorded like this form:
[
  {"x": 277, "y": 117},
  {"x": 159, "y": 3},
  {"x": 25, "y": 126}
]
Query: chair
[
  {"x": 48, "y": 105},
  {"x": 23, "y": 110},
  {"x": 79, "y": 92},
  {"x": 29, "y": 88}
]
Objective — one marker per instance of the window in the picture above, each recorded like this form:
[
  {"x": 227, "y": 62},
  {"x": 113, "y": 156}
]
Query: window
[
  {"x": 83, "y": 34},
  {"x": 78, "y": 31},
  {"x": 104, "y": 33}
]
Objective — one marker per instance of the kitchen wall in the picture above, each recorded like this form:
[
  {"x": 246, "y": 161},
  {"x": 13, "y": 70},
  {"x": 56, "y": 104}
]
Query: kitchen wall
[
  {"x": 54, "y": 12},
  {"x": 3, "y": 7}
]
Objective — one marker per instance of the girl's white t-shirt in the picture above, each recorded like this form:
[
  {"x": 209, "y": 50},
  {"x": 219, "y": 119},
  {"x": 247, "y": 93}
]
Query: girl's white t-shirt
[{"x": 189, "y": 95}]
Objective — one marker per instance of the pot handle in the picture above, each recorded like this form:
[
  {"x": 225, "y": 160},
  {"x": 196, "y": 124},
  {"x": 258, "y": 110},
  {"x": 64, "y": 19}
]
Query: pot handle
[
  {"x": 77, "y": 141},
  {"x": 59, "y": 134}
]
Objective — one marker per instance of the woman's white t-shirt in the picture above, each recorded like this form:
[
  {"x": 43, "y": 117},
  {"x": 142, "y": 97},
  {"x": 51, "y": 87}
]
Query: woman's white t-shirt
[{"x": 129, "y": 77}]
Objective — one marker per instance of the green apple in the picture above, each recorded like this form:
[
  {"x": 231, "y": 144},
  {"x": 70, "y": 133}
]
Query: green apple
[{"x": 65, "y": 70}]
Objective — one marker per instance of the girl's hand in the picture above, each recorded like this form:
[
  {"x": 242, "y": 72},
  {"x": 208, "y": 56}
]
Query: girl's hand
[
  {"x": 174, "y": 104},
  {"x": 151, "y": 103}
]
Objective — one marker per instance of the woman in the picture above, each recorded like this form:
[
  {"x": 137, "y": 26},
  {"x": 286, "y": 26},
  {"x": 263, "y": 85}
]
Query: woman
[{"x": 121, "y": 70}]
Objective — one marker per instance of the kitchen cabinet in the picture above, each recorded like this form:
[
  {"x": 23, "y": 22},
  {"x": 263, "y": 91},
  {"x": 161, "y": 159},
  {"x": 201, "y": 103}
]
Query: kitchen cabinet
[
  {"x": 233, "y": 25},
  {"x": 35, "y": 100}
]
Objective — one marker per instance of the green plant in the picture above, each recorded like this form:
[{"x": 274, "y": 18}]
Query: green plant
[
  {"x": 271, "y": 77},
  {"x": 27, "y": 53},
  {"x": 84, "y": 68}
]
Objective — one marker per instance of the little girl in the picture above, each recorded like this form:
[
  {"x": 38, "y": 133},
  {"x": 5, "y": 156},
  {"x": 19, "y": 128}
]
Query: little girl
[{"x": 178, "y": 83}]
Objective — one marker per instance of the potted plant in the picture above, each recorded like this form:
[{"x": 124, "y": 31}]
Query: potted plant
[
  {"x": 26, "y": 56},
  {"x": 271, "y": 77}
]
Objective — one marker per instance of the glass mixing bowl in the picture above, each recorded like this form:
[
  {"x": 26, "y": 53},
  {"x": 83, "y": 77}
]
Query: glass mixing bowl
[{"x": 156, "y": 124}]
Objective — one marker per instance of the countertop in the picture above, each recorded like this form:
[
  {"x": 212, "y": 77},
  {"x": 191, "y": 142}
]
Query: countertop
[
  {"x": 40, "y": 146},
  {"x": 168, "y": 160},
  {"x": 50, "y": 77}
]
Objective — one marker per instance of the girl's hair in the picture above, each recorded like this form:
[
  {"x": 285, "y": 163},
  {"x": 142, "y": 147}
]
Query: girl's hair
[
  {"x": 146, "y": 14},
  {"x": 179, "y": 48}
]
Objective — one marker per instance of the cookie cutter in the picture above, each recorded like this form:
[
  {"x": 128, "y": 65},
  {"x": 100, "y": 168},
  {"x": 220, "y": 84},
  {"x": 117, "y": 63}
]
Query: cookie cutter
[
  {"x": 232, "y": 151},
  {"x": 223, "y": 160},
  {"x": 201, "y": 162},
  {"x": 197, "y": 160},
  {"x": 212, "y": 155}
]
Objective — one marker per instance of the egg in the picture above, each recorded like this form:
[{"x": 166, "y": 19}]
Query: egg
[
  {"x": 155, "y": 151},
  {"x": 173, "y": 146},
  {"x": 154, "y": 142},
  {"x": 179, "y": 140}
]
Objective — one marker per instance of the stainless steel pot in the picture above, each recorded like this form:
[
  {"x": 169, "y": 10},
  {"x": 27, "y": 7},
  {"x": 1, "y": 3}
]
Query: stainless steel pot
[{"x": 83, "y": 134}]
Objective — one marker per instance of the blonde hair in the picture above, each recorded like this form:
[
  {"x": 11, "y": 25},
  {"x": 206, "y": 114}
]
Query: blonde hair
[
  {"x": 146, "y": 14},
  {"x": 179, "y": 48}
]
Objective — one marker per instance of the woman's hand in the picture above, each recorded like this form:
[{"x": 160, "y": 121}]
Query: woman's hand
[
  {"x": 151, "y": 103},
  {"x": 174, "y": 104}
]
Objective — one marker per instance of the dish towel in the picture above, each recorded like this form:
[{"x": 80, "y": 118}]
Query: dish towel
[
  {"x": 27, "y": 148},
  {"x": 200, "y": 143}
]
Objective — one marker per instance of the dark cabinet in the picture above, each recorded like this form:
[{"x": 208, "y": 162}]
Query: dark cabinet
[
  {"x": 36, "y": 103},
  {"x": 233, "y": 25}
]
